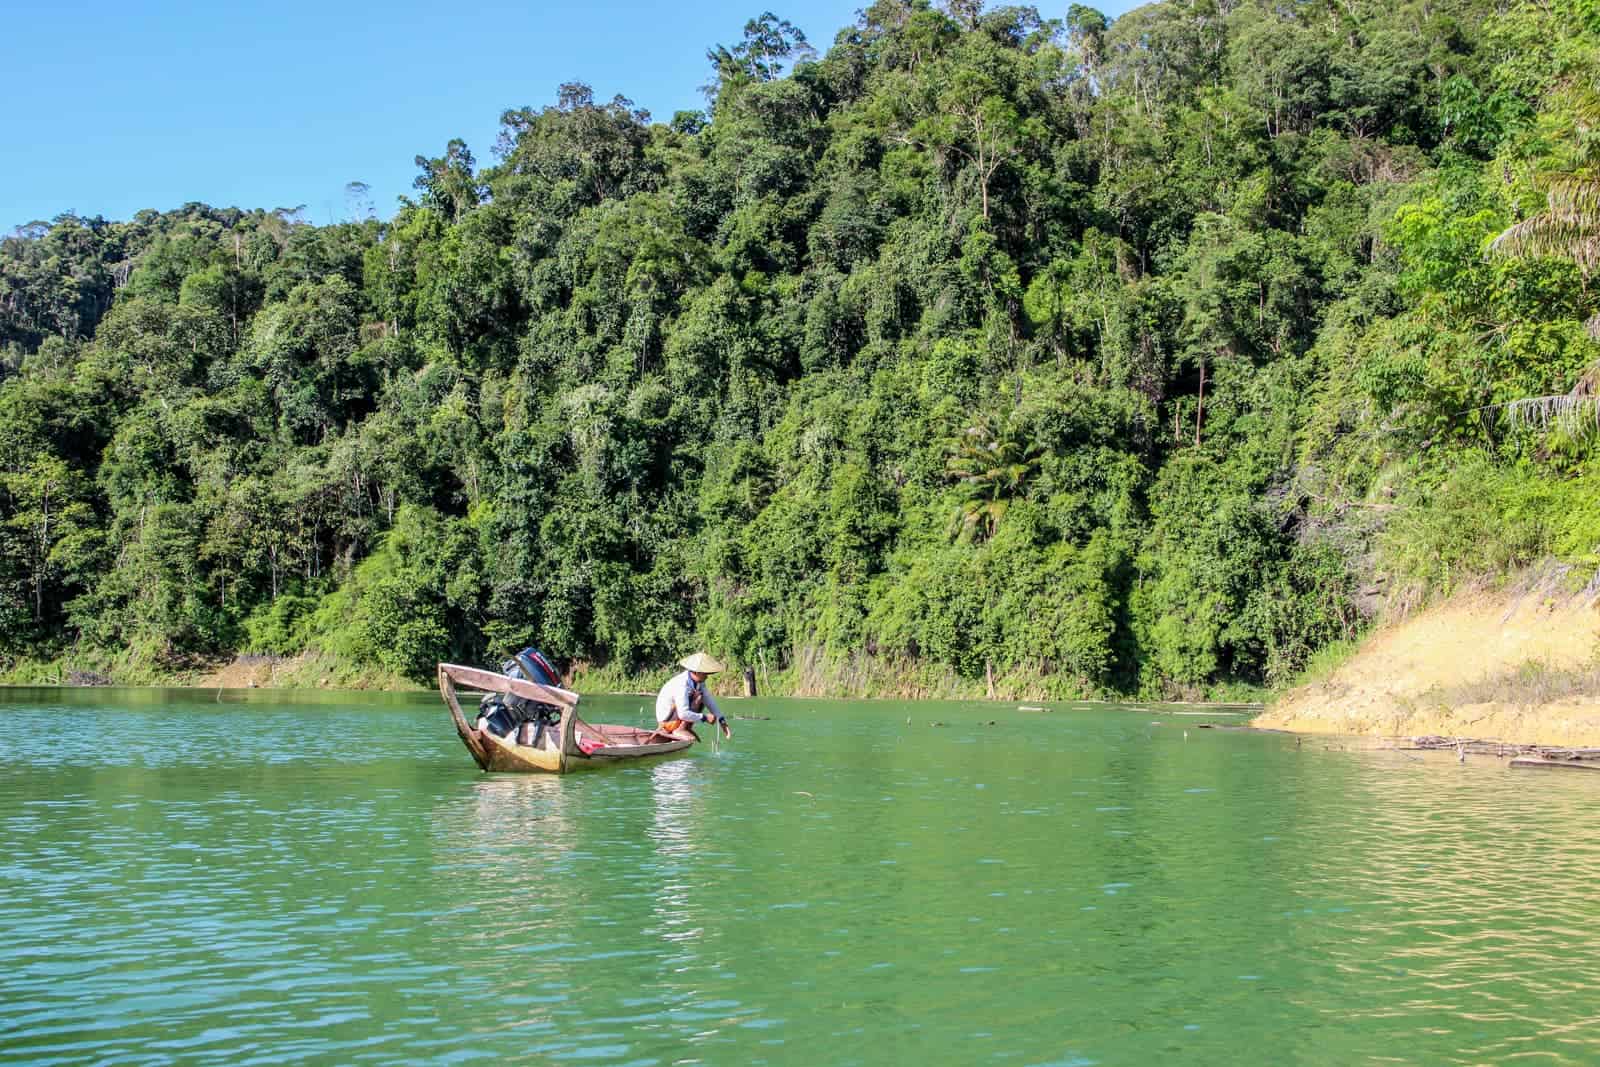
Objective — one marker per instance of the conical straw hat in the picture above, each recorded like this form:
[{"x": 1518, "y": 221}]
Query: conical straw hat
[{"x": 701, "y": 663}]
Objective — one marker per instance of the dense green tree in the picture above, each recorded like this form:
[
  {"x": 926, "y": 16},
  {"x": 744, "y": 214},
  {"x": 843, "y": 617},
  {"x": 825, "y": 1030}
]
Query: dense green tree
[{"x": 1073, "y": 356}]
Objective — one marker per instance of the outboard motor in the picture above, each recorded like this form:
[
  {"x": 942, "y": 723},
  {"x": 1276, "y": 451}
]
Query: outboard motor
[{"x": 507, "y": 714}]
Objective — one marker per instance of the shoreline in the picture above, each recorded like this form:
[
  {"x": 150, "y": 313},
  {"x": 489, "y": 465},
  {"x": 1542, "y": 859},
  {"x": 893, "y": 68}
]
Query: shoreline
[
  {"x": 1516, "y": 668},
  {"x": 1061, "y": 706},
  {"x": 1313, "y": 713},
  {"x": 852, "y": 678}
]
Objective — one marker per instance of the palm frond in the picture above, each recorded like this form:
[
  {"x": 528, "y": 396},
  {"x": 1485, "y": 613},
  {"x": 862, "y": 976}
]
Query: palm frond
[
  {"x": 1585, "y": 104},
  {"x": 1569, "y": 227},
  {"x": 1575, "y": 197},
  {"x": 1552, "y": 235},
  {"x": 993, "y": 461},
  {"x": 1572, "y": 413}
]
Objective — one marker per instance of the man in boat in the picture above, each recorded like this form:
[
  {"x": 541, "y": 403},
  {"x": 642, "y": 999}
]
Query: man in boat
[{"x": 683, "y": 701}]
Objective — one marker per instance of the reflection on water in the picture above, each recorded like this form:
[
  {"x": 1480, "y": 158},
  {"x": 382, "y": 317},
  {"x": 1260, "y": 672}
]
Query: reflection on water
[
  {"x": 187, "y": 882},
  {"x": 518, "y": 811},
  {"x": 672, "y": 829},
  {"x": 672, "y": 789},
  {"x": 1469, "y": 890}
]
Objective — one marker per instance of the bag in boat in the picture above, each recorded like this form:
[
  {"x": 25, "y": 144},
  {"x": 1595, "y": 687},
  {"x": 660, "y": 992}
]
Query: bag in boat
[{"x": 504, "y": 713}]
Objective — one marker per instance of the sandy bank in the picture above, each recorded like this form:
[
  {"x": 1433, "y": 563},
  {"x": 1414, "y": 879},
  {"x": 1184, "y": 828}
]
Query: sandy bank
[
  {"x": 304, "y": 671},
  {"x": 1519, "y": 668}
]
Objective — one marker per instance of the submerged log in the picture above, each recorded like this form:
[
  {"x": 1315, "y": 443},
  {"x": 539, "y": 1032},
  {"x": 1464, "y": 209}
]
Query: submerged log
[
  {"x": 1556, "y": 764},
  {"x": 1491, "y": 747}
]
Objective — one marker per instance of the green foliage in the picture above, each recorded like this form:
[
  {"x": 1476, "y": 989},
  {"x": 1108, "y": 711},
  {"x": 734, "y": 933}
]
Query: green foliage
[
  {"x": 1094, "y": 356},
  {"x": 1478, "y": 518},
  {"x": 406, "y": 607},
  {"x": 992, "y": 462},
  {"x": 280, "y": 626}
]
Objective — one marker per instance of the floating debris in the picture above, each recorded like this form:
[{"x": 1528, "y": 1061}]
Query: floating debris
[
  {"x": 1461, "y": 746},
  {"x": 1589, "y": 764}
]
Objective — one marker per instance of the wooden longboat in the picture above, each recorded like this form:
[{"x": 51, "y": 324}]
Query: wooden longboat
[{"x": 571, "y": 745}]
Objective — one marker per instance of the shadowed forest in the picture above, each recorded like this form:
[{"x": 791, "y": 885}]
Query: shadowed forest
[{"x": 980, "y": 348}]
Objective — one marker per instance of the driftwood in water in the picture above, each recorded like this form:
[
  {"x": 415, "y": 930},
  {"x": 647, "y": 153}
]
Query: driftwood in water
[
  {"x": 1590, "y": 764},
  {"x": 1522, "y": 755}
]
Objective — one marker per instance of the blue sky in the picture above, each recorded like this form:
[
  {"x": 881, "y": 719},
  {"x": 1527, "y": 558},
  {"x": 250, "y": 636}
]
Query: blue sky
[{"x": 121, "y": 106}]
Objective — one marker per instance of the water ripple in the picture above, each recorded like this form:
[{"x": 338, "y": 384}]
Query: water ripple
[{"x": 243, "y": 884}]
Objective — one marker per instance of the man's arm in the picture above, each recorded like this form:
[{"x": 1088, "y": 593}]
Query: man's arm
[{"x": 716, "y": 712}]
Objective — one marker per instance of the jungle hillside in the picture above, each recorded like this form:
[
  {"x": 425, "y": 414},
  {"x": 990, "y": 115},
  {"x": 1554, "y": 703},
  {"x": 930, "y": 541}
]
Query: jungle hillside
[{"x": 981, "y": 350}]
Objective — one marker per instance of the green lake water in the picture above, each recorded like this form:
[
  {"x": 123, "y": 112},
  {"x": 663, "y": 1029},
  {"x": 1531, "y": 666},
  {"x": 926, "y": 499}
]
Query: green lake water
[{"x": 273, "y": 878}]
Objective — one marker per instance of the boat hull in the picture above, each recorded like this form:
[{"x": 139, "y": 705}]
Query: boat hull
[{"x": 570, "y": 746}]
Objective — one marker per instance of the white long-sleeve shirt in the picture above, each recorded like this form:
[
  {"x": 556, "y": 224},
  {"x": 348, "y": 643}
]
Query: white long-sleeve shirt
[{"x": 676, "y": 699}]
